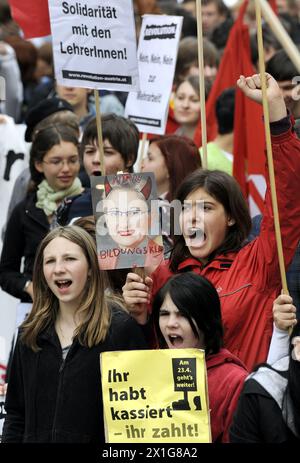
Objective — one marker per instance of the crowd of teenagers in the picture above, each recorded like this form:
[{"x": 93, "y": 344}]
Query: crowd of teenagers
[{"x": 214, "y": 286}]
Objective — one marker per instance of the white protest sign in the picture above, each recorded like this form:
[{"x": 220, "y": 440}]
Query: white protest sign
[
  {"x": 157, "y": 54},
  {"x": 94, "y": 44}
]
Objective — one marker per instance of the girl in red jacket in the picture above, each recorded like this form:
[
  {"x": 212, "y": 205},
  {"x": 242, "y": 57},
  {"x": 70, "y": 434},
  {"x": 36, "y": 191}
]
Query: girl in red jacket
[
  {"x": 213, "y": 243},
  {"x": 180, "y": 324}
]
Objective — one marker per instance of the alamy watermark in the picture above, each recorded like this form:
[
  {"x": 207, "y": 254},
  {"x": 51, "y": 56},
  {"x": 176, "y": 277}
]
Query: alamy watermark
[{"x": 155, "y": 217}]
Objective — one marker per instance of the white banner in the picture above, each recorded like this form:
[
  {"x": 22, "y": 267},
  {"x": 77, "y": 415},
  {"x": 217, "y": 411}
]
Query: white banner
[
  {"x": 94, "y": 44},
  {"x": 157, "y": 54}
]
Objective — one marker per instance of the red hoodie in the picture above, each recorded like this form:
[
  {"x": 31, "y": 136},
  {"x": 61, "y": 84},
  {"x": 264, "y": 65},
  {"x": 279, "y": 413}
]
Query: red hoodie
[
  {"x": 225, "y": 377},
  {"x": 248, "y": 281}
]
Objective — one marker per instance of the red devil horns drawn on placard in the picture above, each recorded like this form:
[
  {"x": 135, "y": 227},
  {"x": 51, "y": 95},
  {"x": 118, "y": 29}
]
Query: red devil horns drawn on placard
[
  {"x": 127, "y": 181},
  {"x": 146, "y": 190}
]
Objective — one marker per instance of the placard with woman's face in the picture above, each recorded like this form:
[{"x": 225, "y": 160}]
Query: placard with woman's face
[{"x": 126, "y": 211}]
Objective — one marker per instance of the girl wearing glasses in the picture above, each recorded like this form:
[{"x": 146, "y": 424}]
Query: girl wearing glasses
[{"x": 54, "y": 165}]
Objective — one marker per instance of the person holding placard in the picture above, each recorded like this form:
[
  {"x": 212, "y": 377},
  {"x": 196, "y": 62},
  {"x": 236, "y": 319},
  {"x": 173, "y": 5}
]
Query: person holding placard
[
  {"x": 187, "y": 314},
  {"x": 54, "y": 392},
  {"x": 213, "y": 242}
]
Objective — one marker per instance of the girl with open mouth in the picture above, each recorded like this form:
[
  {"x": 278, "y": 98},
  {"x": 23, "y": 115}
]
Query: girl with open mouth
[
  {"x": 215, "y": 224},
  {"x": 187, "y": 314},
  {"x": 54, "y": 390}
]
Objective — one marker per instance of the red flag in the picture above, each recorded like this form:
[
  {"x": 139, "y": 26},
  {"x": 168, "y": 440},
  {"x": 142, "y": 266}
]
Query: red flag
[
  {"x": 32, "y": 17},
  {"x": 228, "y": 73},
  {"x": 172, "y": 125},
  {"x": 249, "y": 138},
  {"x": 273, "y": 5}
]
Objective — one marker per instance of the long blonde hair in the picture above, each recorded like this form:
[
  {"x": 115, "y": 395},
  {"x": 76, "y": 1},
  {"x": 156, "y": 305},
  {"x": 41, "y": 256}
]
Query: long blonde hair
[{"x": 94, "y": 311}]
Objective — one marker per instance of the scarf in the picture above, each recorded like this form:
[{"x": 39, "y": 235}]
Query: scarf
[{"x": 47, "y": 198}]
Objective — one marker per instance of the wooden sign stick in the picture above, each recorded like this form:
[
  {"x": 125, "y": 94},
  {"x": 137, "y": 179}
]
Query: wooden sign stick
[
  {"x": 144, "y": 139},
  {"x": 269, "y": 148},
  {"x": 140, "y": 271},
  {"x": 201, "y": 84},
  {"x": 99, "y": 131}
]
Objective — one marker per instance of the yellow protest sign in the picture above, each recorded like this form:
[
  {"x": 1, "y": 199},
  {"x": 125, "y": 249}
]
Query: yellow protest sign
[{"x": 155, "y": 396}]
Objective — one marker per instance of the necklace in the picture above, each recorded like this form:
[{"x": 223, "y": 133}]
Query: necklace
[{"x": 66, "y": 339}]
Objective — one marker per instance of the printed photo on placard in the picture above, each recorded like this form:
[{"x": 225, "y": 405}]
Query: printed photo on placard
[{"x": 125, "y": 207}]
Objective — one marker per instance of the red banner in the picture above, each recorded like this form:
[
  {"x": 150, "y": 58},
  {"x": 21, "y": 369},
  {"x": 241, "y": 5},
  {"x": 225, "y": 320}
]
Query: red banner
[
  {"x": 249, "y": 138},
  {"x": 32, "y": 16}
]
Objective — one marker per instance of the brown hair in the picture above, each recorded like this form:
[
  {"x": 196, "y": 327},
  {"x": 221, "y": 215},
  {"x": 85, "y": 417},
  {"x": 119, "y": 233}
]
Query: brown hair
[
  {"x": 43, "y": 142},
  {"x": 93, "y": 309},
  {"x": 122, "y": 134},
  {"x": 181, "y": 156},
  {"x": 220, "y": 5},
  {"x": 64, "y": 117},
  {"x": 188, "y": 57},
  {"x": 225, "y": 189}
]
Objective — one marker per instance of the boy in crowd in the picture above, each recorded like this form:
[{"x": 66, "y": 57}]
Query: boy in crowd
[{"x": 120, "y": 145}]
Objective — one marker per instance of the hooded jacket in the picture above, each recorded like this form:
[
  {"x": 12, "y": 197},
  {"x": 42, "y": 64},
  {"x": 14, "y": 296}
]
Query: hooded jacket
[
  {"x": 248, "y": 281},
  {"x": 225, "y": 376}
]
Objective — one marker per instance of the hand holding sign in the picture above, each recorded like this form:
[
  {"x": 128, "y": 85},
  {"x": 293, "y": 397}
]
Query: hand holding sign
[
  {"x": 136, "y": 293},
  {"x": 141, "y": 404}
]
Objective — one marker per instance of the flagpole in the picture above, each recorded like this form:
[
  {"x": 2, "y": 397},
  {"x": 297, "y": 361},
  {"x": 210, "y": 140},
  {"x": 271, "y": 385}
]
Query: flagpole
[
  {"x": 141, "y": 157},
  {"x": 99, "y": 130},
  {"x": 201, "y": 84},
  {"x": 269, "y": 148}
]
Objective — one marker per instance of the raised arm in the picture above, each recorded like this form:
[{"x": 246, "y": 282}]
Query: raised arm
[
  {"x": 251, "y": 86},
  {"x": 286, "y": 157},
  {"x": 284, "y": 315}
]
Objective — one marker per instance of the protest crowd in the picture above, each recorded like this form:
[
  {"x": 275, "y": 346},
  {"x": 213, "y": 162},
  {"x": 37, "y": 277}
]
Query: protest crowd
[{"x": 121, "y": 231}]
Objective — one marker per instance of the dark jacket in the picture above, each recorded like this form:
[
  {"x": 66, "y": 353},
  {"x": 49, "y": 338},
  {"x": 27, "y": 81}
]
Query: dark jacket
[
  {"x": 51, "y": 400},
  {"x": 264, "y": 413},
  {"x": 74, "y": 207},
  {"x": 26, "y": 228}
]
